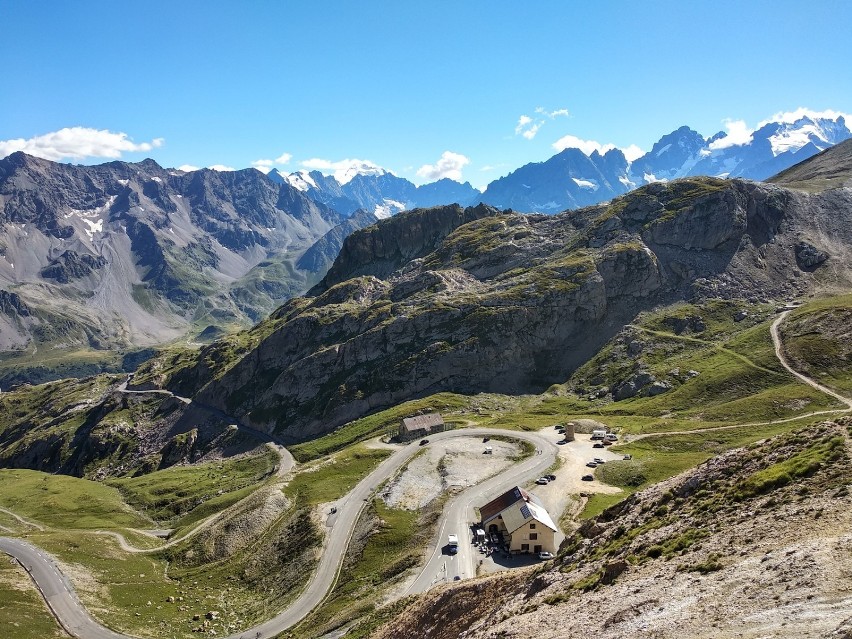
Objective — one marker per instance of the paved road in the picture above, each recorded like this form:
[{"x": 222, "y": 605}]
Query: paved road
[
  {"x": 458, "y": 514},
  {"x": 287, "y": 462},
  {"x": 62, "y": 600},
  {"x": 57, "y": 591}
]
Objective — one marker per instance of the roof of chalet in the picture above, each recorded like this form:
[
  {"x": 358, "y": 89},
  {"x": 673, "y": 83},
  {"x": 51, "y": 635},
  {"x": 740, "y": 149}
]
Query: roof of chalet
[
  {"x": 520, "y": 513},
  {"x": 501, "y": 503},
  {"x": 422, "y": 421}
]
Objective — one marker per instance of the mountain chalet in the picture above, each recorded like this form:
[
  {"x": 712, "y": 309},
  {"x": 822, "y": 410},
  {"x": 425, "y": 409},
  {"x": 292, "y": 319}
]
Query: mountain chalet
[{"x": 521, "y": 519}]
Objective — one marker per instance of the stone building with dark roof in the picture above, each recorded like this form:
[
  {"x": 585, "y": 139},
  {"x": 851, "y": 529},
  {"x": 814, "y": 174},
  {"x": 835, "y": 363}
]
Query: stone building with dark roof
[{"x": 421, "y": 426}]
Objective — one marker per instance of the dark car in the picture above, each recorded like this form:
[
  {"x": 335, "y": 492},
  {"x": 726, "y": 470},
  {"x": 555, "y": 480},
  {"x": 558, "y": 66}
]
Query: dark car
[
  {"x": 423, "y": 442},
  {"x": 597, "y": 445},
  {"x": 592, "y": 464},
  {"x": 588, "y": 478},
  {"x": 551, "y": 477},
  {"x": 485, "y": 439}
]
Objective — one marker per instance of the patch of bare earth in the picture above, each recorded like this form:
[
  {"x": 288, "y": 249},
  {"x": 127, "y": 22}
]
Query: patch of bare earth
[{"x": 448, "y": 464}]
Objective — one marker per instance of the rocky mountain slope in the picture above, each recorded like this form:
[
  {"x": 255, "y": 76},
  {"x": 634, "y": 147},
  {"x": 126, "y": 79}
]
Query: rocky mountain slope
[
  {"x": 752, "y": 543},
  {"x": 121, "y": 255},
  {"x": 572, "y": 179},
  {"x": 89, "y": 428},
  {"x": 513, "y": 303},
  {"x": 379, "y": 192},
  {"x": 829, "y": 169}
]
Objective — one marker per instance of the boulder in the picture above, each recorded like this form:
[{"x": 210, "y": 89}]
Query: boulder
[{"x": 808, "y": 256}]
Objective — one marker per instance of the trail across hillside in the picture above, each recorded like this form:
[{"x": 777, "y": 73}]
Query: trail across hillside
[
  {"x": 62, "y": 600},
  {"x": 779, "y": 353}
]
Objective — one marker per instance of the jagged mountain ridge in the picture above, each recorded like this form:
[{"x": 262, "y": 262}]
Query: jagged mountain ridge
[
  {"x": 124, "y": 254},
  {"x": 379, "y": 192},
  {"x": 514, "y": 303},
  {"x": 572, "y": 179}
]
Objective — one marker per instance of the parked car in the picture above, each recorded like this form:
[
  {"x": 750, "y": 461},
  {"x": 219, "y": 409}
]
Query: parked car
[
  {"x": 562, "y": 441},
  {"x": 597, "y": 445},
  {"x": 592, "y": 464},
  {"x": 545, "y": 555},
  {"x": 541, "y": 480},
  {"x": 588, "y": 478},
  {"x": 598, "y": 460},
  {"x": 551, "y": 477},
  {"x": 333, "y": 510},
  {"x": 626, "y": 457},
  {"x": 611, "y": 437},
  {"x": 485, "y": 439},
  {"x": 423, "y": 442}
]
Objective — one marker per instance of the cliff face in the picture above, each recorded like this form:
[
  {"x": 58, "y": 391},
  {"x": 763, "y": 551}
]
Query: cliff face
[
  {"x": 381, "y": 249},
  {"x": 512, "y": 303}
]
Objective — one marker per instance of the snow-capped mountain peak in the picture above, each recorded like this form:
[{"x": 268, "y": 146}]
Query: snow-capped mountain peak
[
  {"x": 300, "y": 180},
  {"x": 572, "y": 179},
  {"x": 352, "y": 168}
]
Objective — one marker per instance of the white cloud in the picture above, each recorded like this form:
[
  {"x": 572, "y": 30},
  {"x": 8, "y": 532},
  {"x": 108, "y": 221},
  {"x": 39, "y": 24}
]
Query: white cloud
[
  {"x": 527, "y": 127},
  {"x": 632, "y": 152},
  {"x": 344, "y": 170},
  {"x": 221, "y": 167},
  {"x": 738, "y": 133},
  {"x": 589, "y": 146},
  {"x": 189, "y": 168},
  {"x": 449, "y": 166},
  {"x": 78, "y": 143},
  {"x": 265, "y": 166},
  {"x": 553, "y": 114},
  {"x": 789, "y": 117}
]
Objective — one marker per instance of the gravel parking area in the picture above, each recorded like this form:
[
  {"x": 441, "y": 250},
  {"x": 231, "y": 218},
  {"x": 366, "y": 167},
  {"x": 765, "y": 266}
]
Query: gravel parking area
[
  {"x": 453, "y": 464},
  {"x": 557, "y": 495}
]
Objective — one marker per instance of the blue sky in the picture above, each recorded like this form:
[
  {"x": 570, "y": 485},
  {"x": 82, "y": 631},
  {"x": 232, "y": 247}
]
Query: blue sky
[{"x": 403, "y": 84}]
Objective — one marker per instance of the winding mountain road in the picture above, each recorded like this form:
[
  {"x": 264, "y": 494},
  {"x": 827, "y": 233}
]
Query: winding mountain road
[
  {"x": 63, "y": 602},
  {"x": 456, "y": 517}
]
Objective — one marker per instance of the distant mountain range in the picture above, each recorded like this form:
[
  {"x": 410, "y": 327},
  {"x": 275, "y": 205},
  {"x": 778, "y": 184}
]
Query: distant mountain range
[
  {"x": 379, "y": 192},
  {"x": 122, "y": 254},
  {"x": 572, "y": 179}
]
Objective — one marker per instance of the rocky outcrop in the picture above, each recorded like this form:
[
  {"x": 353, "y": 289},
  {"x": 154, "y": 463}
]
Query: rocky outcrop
[
  {"x": 71, "y": 266},
  {"x": 808, "y": 256},
  {"x": 383, "y": 248}
]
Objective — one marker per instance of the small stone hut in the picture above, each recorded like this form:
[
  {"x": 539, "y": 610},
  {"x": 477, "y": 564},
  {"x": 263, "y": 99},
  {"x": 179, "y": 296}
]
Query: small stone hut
[{"x": 421, "y": 426}]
